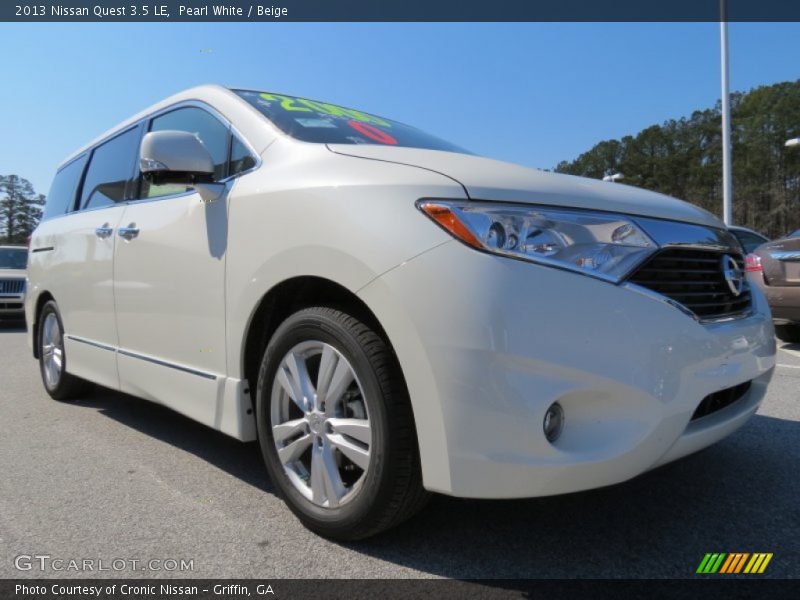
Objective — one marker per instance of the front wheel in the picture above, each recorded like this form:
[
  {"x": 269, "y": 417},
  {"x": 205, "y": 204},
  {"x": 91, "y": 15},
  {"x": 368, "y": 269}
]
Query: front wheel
[
  {"x": 335, "y": 426},
  {"x": 53, "y": 358}
]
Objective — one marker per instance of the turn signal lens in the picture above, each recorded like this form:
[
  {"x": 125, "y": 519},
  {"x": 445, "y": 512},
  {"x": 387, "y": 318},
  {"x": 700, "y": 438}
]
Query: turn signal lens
[
  {"x": 752, "y": 263},
  {"x": 444, "y": 216}
]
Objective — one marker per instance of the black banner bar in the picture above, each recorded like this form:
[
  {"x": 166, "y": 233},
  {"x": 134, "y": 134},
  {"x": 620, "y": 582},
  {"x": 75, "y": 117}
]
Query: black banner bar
[
  {"x": 397, "y": 10},
  {"x": 730, "y": 588}
]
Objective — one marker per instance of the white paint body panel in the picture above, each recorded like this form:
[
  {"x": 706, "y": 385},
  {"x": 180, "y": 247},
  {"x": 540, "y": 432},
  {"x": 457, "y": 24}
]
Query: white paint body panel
[
  {"x": 78, "y": 273},
  {"x": 486, "y": 344},
  {"x": 487, "y": 179},
  {"x": 170, "y": 279}
]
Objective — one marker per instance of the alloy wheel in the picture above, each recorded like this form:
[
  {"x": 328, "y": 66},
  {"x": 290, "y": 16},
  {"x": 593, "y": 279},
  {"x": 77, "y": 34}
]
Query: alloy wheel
[
  {"x": 320, "y": 424},
  {"x": 52, "y": 350}
]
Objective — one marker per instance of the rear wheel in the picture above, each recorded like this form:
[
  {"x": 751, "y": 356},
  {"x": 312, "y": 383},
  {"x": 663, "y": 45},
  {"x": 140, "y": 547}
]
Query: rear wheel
[
  {"x": 335, "y": 426},
  {"x": 789, "y": 333},
  {"x": 53, "y": 359}
]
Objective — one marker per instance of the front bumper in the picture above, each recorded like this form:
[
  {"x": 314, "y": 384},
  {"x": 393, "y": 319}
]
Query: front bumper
[
  {"x": 12, "y": 306},
  {"x": 487, "y": 344}
]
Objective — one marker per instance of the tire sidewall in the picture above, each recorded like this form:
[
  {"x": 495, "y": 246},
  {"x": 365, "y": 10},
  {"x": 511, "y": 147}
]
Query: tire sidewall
[{"x": 304, "y": 326}]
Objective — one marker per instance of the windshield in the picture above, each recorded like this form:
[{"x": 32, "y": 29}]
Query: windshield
[
  {"x": 13, "y": 258},
  {"x": 323, "y": 123}
]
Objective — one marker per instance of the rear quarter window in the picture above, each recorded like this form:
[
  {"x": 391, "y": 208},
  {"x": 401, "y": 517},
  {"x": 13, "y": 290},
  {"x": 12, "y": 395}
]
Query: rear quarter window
[
  {"x": 110, "y": 170},
  {"x": 61, "y": 198}
]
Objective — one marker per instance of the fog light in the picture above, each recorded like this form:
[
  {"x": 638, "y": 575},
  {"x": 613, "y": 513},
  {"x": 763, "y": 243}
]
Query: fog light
[{"x": 553, "y": 422}]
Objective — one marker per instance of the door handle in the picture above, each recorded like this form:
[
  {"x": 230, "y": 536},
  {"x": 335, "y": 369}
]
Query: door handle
[
  {"x": 104, "y": 231},
  {"x": 129, "y": 232}
]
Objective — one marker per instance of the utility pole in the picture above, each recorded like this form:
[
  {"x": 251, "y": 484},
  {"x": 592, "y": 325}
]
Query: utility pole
[{"x": 727, "y": 171}]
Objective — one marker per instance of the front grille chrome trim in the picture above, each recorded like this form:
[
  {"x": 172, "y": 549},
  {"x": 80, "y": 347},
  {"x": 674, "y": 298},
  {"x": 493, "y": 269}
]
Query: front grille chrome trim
[
  {"x": 664, "y": 299},
  {"x": 683, "y": 271},
  {"x": 12, "y": 286},
  {"x": 692, "y": 288}
]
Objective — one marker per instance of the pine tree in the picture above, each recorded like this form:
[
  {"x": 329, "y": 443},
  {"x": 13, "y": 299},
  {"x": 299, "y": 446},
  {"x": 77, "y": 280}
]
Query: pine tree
[
  {"x": 683, "y": 158},
  {"x": 20, "y": 209}
]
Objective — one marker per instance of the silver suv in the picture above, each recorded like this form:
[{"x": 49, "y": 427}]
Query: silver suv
[{"x": 13, "y": 262}]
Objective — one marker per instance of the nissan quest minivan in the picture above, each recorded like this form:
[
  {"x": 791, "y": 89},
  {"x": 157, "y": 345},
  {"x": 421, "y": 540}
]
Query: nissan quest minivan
[{"x": 386, "y": 313}]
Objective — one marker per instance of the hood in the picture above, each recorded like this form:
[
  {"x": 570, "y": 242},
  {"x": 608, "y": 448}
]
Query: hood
[{"x": 487, "y": 179}]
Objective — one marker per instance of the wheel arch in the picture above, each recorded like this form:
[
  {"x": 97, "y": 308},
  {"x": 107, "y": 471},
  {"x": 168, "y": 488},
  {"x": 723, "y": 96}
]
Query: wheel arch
[{"x": 286, "y": 298}]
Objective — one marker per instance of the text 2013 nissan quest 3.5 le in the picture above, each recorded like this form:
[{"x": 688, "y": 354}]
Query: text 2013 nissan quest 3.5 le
[{"x": 387, "y": 313}]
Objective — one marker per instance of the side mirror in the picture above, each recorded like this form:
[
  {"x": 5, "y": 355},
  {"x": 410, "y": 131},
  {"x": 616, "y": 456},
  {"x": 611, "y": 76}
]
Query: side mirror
[{"x": 175, "y": 157}]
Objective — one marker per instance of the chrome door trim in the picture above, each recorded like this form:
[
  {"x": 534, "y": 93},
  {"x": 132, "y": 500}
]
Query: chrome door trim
[
  {"x": 75, "y": 338},
  {"x": 164, "y": 363},
  {"x": 144, "y": 357}
]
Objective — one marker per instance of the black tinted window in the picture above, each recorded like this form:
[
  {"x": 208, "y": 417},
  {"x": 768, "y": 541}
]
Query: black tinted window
[
  {"x": 312, "y": 121},
  {"x": 61, "y": 198},
  {"x": 13, "y": 258},
  {"x": 110, "y": 170},
  {"x": 241, "y": 157},
  {"x": 208, "y": 130},
  {"x": 750, "y": 241}
]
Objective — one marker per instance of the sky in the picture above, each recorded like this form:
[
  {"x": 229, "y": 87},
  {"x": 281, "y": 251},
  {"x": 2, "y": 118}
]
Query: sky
[{"x": 530, "y": 93}]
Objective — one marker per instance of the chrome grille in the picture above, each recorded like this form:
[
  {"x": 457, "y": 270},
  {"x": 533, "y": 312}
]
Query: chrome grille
[
  {"x": 12, "y": 286},
  {"x": 694, "y": 278}
]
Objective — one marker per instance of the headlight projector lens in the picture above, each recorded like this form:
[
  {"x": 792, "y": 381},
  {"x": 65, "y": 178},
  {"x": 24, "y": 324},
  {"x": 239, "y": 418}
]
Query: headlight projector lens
[{"x": 553, "y": 422}]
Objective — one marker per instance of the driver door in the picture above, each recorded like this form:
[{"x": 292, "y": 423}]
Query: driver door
[{"x": 169, "y": 275}]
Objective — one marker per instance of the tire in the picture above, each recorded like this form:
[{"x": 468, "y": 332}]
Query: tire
[
  {"x": 369, "y": 500},
  {"x": 789, "y": 333},
  {"x": 50, "y": 338}
]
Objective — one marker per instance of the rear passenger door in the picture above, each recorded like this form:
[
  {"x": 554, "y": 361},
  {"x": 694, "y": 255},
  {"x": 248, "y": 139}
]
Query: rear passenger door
[
  {"x": 75, "y": 250},
  {"x": 169, "y": 279}
]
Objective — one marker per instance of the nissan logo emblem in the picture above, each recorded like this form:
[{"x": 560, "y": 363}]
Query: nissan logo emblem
[{"x": 733, "y": 275}]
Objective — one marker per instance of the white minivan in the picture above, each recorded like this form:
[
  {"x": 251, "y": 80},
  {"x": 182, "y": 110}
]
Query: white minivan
[{"x": 387, "y": 313}]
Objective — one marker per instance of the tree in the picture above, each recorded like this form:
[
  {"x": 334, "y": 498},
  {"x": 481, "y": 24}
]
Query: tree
[
  {"x": 683, "y": 158},
  {"x": 20, "y": 209}
]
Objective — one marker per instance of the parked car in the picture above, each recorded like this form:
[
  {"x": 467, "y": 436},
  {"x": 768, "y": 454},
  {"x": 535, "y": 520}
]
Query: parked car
[
  {"x": 775, "y": 269},
  {"x": 749, "y": 239},
  {"x": 387, "y": 313},
  {"x": 13, "y": 262}
]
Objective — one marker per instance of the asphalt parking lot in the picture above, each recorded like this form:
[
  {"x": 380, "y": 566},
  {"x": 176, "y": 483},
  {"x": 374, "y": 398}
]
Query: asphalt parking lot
[{"x": 112, "y": 476}]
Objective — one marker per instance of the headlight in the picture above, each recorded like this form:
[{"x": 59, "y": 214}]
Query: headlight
[{"x": 603, "y": 245}]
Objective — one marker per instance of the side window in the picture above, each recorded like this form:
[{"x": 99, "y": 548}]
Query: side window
[
  {"x": 207, "y": 128},
  {"x": 110, "y": 170},
  {"x": 61, "y": 198},
  {"x": 241, "y": 157}
]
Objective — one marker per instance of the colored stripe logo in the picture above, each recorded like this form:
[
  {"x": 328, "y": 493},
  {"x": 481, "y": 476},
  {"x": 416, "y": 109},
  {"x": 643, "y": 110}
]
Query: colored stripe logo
[{"x": 734, "y": 562}]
